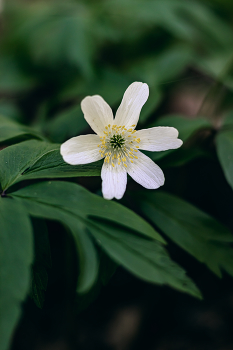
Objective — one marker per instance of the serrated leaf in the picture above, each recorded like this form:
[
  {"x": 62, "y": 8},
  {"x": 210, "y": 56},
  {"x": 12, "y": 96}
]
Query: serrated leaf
[
  {"x": 115, "y": 227},
  {"x": 146, "y": 259},
  {"x": 16, "y": 254},
  {"x": 35, "y": 159},
  {"x": 198, "y": 233}
]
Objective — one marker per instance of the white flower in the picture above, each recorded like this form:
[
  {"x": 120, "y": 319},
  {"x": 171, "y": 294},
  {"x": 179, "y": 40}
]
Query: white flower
[{"x": 118, "y": 142}]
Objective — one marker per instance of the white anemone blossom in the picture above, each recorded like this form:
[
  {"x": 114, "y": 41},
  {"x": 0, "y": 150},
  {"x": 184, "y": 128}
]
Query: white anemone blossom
[{"x": 118, "y": 142}]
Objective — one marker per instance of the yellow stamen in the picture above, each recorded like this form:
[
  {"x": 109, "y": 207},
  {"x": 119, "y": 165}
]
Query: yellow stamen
[
  {"x": 131, "y": 161},
  {"x": 133, "y": 125},
  {"x": 136, "y": 157},
  {"x": 113, "y": 165},
  {"x": 125, "y": 165}
]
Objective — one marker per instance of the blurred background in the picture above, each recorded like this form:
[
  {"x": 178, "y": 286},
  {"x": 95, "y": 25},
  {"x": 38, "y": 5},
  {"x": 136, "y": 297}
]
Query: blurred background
[{"x": 53, "y": 54}]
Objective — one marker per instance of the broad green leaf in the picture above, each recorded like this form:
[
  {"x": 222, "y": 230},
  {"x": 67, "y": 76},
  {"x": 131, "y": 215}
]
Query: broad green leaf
[
  {"x": 78, "y": 209},
  {"x": 16, "y": 254},
  {"x": 35, "y": 159},
  {"x": 11, "y": 131},
  {"x": 144, "y": 258},
  {"x": 51, "y": 165},
  {"x": 42, "y": 262},
  {"x": 85, "y": 205},
  {"x": 224, "y": 142},
  {"x": 186, "y": 128},
  {"x": 192, "y": 229},
  {"x": 14, "y": 160}
]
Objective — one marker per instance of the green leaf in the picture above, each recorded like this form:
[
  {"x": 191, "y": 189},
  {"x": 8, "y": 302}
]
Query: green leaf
[
  {"x": 224, "y": 142},
  {"x": 14, "y": 160},
  {"x": 192, "y": 229},
  {"x": 35, "y": 159},
  {"x": 115, "y": 228},
  {"x": 11, "y": 131},
  {"x": 85, "y": 205},
  {"x": 144, "y": 258},
  {"x": 16, "y": 246}
]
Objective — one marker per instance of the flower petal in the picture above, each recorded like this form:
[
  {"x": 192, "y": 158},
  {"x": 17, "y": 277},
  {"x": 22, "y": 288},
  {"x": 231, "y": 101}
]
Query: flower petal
[
  {"x": 159, "y": 138},
  {"x": 81, "y": 149},
  {"x": 129, "y": 110},
  {"x": 114, "y": 181},
  {"x": 144, "y": 171},
  {"x": 97, "y": 113}
]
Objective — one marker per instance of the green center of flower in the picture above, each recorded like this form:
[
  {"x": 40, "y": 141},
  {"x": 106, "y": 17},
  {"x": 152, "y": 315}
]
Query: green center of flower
[{"x": 117, "y": 141}]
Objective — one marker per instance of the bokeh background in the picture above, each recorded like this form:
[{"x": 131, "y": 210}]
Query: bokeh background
[{"x": 53, "y": 54}]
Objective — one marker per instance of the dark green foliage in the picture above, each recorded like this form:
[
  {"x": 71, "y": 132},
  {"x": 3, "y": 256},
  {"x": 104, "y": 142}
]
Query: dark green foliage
[
  {"x": 55, "y": 53},
  {"x": 195, "y": 231}
]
